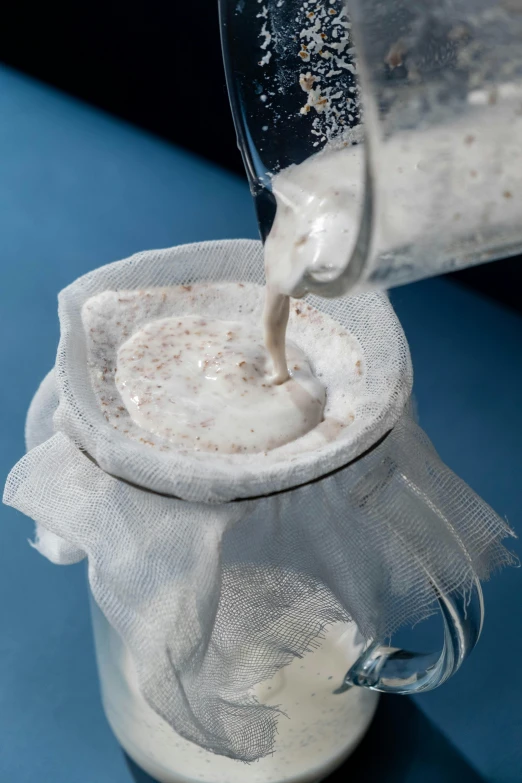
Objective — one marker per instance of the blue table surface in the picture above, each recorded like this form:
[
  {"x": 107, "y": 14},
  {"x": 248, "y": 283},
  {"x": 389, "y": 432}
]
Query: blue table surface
[{"x": 79, "y": 189}]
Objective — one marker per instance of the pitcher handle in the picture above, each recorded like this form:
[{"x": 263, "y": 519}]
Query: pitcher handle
[{"x": 392, "y": 670}]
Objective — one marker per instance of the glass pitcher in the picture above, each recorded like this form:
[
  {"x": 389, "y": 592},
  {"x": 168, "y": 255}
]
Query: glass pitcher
[
  {"x": 328, "y": 696},
  {"x": 426, "y": 96},
  {"x": 321, "y": 724}
]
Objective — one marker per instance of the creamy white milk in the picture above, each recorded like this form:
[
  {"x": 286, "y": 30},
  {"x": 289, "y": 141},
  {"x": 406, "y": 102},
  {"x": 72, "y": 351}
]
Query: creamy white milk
[
  {"x": 317, "y": 219},
  {"x": 318, "y": 212},
  {"x": 207, "y": 384},
  {"x": 202, "y": 393},
  {"x": 318, "y": 730}
]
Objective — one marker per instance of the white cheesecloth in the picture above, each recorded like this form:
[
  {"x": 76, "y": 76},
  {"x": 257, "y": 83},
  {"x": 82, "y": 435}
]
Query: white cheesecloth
[{"x": 216, "y": 570}]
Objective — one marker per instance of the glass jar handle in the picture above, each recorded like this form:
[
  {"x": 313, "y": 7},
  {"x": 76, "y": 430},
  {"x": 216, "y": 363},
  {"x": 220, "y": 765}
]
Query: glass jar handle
[{"x": 392, "y": 670}]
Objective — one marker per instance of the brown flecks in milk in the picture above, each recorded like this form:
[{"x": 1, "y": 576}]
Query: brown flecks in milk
[
  {"x": 395, "y": 55},
  {"x": 217, "y": 365},
  {"x": 330, "y": 428},
  {"x": 493, "y": 96},
  {"x": 226, "y": 367},
  {"x": 307, "y": 81}
]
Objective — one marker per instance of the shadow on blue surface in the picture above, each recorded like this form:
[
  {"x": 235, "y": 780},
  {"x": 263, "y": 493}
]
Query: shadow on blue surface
[
  {"x": 402, "y": 746},
  {"x": 137, "y": 773}
]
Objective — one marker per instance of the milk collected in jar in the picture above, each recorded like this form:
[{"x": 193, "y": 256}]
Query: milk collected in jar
[{"x": 317, "y": 729}]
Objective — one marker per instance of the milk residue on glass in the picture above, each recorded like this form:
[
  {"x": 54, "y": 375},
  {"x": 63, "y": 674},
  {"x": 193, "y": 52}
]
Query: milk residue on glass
[{"x": 430, "y": 195}]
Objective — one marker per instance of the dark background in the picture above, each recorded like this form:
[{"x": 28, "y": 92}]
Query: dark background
[{"x": 158, "y": 65}]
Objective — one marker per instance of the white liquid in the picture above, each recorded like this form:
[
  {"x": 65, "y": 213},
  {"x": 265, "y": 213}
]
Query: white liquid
[
  {"x": 320, "y": 730},
  {"x": 315, "y": 227},
  {"x": 197, "y": 389},
  {"x": 317, "y": 219},
  {"x": 207, "y": 384}
]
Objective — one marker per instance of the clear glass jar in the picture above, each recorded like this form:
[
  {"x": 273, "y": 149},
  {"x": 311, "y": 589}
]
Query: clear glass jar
[{"x": 318, "y": 730}]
